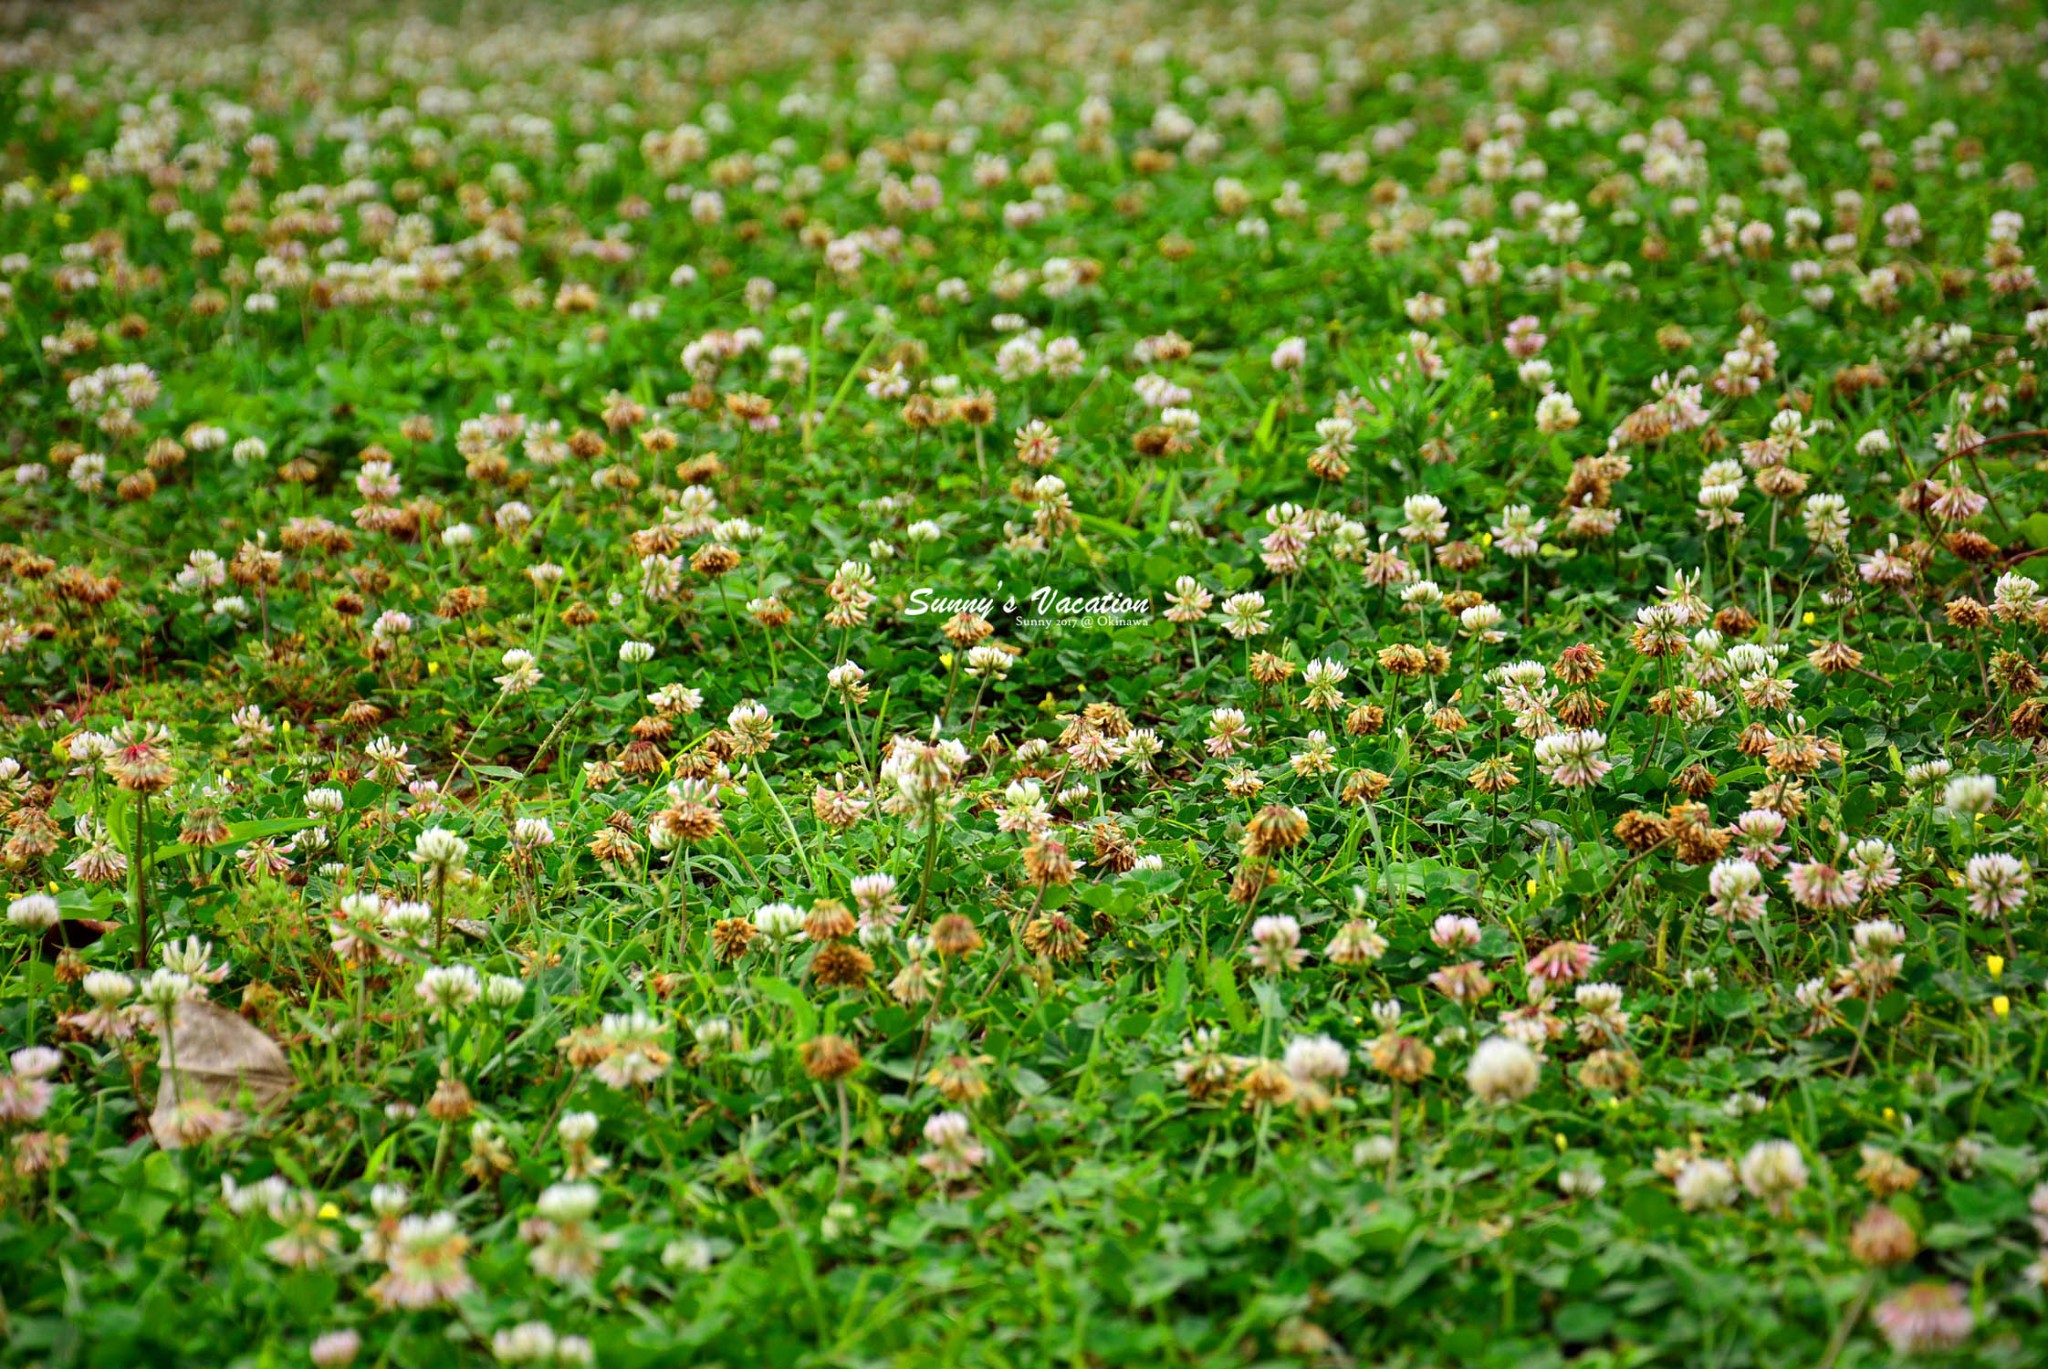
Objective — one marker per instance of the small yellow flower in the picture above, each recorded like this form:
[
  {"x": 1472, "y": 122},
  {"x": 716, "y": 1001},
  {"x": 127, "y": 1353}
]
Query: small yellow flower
[
  {"x": 433, "y": 667},
  {"x": 51, "y": 886},
  {"x": 1530, "y": 888},
  {"x": 1807, "y": 617},
  {"x": 946, "y": 660},
  {"x": 1562, "y": 1144},
  {"x": 1493, "y": 413},
  {"x": 328, "y": 1212},
  {"x": 2001, "y": 1007},
  {"x": 1995, "y": 965},
  {"x": 1889, "y": 1114},
  {"x": 1485, "y": 539},
  {"x": 80, "y": 183},
  {"x": 285, "y": 726}
]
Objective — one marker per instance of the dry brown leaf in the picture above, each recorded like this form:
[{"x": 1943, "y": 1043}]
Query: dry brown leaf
[{"x": 221, "y": 1059}]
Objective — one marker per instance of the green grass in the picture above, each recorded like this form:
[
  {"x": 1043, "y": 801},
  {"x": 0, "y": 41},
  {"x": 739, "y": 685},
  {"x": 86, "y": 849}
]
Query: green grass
[{"x": 1172, "y": 1141}]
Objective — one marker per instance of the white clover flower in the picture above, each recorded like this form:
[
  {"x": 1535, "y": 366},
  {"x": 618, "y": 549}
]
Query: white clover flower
[
  {"x": 1555, "y": 413},
  {"x": 779, "y": 921},
  {"x": 1970, "y": 794},
  {"x": 1706, "y": 1183},
  {"x": 449, "y": 988},
  {"x": 441, "y": 851},
  {"x": 1315, "y": 1058},
  {"x": 1773, "y": 1171},
  {"x": 1502, "y": 1071},
  {"x": 33, "y": 912}
]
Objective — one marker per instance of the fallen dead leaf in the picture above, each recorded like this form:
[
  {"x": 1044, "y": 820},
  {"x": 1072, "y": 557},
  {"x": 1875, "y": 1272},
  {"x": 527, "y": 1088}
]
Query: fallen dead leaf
[{"x": 220, "y": 1058}]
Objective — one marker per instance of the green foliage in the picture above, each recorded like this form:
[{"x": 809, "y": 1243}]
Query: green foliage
[{"x": 1313, "y": 727}]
